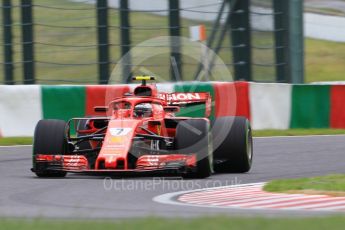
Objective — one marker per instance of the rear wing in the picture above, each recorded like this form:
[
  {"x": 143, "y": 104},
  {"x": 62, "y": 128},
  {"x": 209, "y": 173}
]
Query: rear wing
[{"x": 188, "y": 99}]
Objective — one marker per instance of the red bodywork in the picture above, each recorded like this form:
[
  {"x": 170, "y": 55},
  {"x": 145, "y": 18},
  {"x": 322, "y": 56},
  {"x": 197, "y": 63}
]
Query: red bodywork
[{"x": 114, "y": 136}]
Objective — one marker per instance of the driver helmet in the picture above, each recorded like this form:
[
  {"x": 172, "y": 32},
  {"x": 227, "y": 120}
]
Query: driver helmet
[{"x": 143, "y": 110}]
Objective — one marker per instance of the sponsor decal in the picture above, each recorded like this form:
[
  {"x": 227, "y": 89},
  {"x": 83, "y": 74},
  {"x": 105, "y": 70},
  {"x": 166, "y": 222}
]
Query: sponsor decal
[
  {"x": 116, "y": 139},
  {"x": 180, "y": 96},
  {"x": 116, "y": 132},
  {"x": 115, "y": 146},
  {"x": 73, "y": 161},
  {"x": 152, "y": 160}
]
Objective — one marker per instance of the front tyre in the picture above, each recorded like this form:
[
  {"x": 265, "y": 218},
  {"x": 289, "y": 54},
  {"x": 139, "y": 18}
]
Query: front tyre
[
  {"x": 49, "y": 139},
  {"x": 192, "y": 136}
]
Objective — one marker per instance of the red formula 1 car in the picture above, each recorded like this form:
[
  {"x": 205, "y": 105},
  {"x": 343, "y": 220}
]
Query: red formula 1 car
[{"x": 141, "y": 135}]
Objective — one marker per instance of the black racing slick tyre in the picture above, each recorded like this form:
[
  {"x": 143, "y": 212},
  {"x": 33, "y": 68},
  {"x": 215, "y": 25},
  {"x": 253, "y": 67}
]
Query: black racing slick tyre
[
  {"x": 192, "y": 136},
  {"x": 233, "y": 143},
  {"x": 49, "y": 139}
]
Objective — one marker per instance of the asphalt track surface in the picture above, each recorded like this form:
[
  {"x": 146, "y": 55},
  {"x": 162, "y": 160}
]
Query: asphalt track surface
[{"x": 76, "y": 196}]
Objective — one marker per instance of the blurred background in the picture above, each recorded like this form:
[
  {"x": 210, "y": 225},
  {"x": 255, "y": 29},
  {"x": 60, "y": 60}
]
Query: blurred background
[{"x": 80, "y": 42}]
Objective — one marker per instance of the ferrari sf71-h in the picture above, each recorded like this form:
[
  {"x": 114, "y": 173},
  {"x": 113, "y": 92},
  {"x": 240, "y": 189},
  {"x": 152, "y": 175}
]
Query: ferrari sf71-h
[{"x": 140, "y": 135}]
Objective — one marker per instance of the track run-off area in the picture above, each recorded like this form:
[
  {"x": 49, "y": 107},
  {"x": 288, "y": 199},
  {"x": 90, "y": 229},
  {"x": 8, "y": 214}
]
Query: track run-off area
[{"x": 77, "y": 196}]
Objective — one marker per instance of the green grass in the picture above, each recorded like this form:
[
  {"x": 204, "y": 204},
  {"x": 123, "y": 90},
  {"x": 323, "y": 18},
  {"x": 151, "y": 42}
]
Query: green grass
[
  {"x": 6, "y": 141},
  {"x": 297, "y": 132},
  {"x": 329, "y": 183},
  {"x": 324, "y": 60},
  {"x": 226, "y": 223},
  {"x": 257, "y": 133}
]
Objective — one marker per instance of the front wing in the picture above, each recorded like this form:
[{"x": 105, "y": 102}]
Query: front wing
[{"x": 173, "y": 164}]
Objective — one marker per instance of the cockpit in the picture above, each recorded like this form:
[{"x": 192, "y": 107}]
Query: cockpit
[{"x": 132, "y": 108}]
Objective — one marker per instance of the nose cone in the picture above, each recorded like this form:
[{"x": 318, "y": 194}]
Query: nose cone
[
  {"x": 110, "y": 162},
  {"x": 116, "y": 145}
]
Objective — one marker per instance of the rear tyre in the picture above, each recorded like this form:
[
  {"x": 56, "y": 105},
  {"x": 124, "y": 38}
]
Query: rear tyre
[
  {"x": 233, "y": 141},
  {"x": 49, "y": 139},
  {"x": 192, "y": 136}
]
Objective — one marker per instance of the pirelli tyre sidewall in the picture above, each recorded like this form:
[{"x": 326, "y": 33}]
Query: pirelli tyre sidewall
[
  {"x": 234, "y": 152},
  {"x": 193, "y": 136},
  {"x": 49, "y": 139}
]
